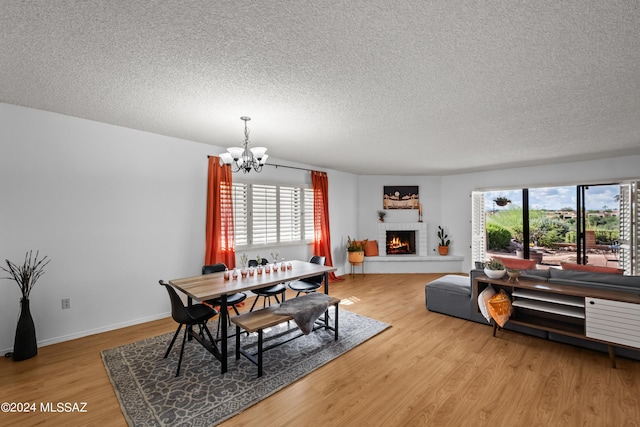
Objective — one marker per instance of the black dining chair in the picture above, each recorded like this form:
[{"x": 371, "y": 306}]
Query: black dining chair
[
  {"x": 196, "y": 314},
  {"x": 232, "y": 300},
  {"x": 267, "y": 292},
  {"x": 310, "y": 284}
]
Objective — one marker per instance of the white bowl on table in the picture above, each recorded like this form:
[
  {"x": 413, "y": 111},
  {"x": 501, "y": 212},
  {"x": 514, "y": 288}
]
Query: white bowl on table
[{"x": 494, "y": 274}]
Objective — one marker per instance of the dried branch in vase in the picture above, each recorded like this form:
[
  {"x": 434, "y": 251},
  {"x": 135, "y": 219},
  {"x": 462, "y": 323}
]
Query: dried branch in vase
[{"x": 27, "y": 274}]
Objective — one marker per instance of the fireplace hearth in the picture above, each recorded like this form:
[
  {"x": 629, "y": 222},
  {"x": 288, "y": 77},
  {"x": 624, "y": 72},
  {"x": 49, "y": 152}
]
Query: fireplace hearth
[{"x": 401, "y": 242}]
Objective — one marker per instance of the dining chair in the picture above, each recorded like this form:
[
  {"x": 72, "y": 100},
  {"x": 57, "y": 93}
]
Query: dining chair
[
  {"x": 269, "y": 291},
  {"x": 310, "y": 284},
  {"x": 233, "y": 300},
  {"x": 196, "y": 314}
]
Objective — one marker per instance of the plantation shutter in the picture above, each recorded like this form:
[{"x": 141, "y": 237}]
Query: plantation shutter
[
  {"x": 629, "y": 220},
  {"x": 240, "y": 213},
  {"x": 478, "y": 234},
  {"x": 264, "y": 214},
  {"x": 290, "y": 214},
  {"x": 308, "y": 214}
]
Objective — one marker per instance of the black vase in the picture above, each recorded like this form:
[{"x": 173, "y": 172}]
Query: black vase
[{"x": 25, "y": 345}]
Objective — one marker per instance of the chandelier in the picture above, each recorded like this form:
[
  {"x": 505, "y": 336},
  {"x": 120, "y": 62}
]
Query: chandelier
[{"x": 242, "y": 158}]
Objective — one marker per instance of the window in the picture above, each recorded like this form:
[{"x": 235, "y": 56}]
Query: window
[
  {"x": 290, "y": 214},
  {"x": 583, "y": 224},
  {"x": 267, "y": 214},
  {"x": 240, "y": 214},
  {"x": 308, "y": 215},
  {"x": 264, "y": 214}
]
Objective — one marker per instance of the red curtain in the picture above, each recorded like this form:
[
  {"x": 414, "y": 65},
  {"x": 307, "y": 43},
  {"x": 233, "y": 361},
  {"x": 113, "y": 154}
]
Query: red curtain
[
  {"x": 321, "y": 241},
  {"x": 219, "y": 239}
]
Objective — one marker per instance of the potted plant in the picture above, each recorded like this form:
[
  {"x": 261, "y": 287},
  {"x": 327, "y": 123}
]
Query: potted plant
[
  {"x": 501, "y": 201},
  {"x": 494, "y": 269},
  {"x": 381, "y": 215},
  {"x": 443, "y": 245},
  {"x": 26, "y": 275},
  {"x": 355, "y": 249}
]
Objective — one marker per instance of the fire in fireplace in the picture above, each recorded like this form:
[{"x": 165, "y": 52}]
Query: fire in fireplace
[{"x": 401, "y": 242}]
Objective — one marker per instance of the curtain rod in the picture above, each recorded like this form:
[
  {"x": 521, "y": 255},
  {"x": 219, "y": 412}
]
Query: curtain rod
[
  {"x": 290, "y": 167},
  {"x": 284, "y": 166}
]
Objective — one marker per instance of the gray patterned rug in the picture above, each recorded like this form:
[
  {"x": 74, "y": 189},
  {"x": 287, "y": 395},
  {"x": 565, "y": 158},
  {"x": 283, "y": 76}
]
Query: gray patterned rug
[{"x": 151, "y": 395}]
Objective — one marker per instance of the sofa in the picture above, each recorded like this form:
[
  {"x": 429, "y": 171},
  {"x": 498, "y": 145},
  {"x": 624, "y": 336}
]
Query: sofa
[{"x": 453, "y": 295}]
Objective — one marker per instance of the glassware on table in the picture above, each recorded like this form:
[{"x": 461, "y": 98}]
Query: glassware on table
[
  {"x": 267, "y": 268},
  {"x": 244, "y": 272},
  {"x": 289, "y": 266},
  {"x": 235, "y": 273},
  {"x": 283, "y": 265},
  {"x": 227, "y": 275},
  {"x": 259, "y": 268},
  {"x": 251, "y": 271}
]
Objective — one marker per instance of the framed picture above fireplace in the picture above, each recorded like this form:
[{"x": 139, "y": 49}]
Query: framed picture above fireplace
[{"x": 401, "y": 197}]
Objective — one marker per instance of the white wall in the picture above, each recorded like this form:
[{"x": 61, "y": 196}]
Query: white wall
[
  {"x": 115, "y": 210},
  {"x": 343, "y": 201},
  {"x": 370, "y": 202}
]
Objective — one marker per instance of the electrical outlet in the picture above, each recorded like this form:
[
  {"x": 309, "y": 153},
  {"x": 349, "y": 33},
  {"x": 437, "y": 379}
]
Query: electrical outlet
[{"x": 66, "y": 303}]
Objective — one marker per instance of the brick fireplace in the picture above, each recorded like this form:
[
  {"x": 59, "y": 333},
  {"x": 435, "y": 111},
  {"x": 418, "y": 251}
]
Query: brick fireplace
[
  {"x": 416, "y": 231},
  {"x": 419, "y": 262},
  {"x": 401, "y": 242}
]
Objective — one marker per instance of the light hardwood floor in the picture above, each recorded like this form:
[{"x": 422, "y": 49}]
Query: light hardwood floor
[{"x": 428, "y": 369}]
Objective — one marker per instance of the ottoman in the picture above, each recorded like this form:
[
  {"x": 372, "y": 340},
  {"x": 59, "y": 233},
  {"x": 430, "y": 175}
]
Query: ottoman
[{"x": 450, "y": 294}]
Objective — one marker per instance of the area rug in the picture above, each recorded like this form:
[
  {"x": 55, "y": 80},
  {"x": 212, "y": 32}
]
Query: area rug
[{"x": 151, "y": 395}]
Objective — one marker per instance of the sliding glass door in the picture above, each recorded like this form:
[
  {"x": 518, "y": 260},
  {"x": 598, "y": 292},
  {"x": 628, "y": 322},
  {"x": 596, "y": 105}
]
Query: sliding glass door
[
  {"x": 561, "y": 224},
  {"x": 597, "y": 220}
]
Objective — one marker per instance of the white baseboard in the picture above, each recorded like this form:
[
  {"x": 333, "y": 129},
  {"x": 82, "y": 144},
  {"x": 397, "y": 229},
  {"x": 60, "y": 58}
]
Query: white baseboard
[{"x": 108, "y": 328}]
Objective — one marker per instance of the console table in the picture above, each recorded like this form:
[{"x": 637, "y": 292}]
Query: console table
[{"x": 609, "y": 317}]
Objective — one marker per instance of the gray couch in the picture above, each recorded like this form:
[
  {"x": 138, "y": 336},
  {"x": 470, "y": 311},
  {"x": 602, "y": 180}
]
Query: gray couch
[{"x": 452, "y": 295}]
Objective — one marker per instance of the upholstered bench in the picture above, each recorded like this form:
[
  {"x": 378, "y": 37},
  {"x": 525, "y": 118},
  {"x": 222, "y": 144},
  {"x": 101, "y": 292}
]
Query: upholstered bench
[{"x": 450, "y": 295}]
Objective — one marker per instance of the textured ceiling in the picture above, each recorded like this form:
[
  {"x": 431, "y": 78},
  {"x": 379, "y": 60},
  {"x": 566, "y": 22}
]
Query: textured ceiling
[{"x": 370, "y": 87}]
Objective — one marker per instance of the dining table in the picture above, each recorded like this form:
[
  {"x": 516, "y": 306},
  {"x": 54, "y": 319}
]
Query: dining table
[{"x": 209, "y": 286}]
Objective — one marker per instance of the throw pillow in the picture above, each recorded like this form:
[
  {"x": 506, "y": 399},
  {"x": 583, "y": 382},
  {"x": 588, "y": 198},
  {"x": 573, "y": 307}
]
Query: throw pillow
[
  {"x": 371, "y": 248},
  {"x": 517, "y": 263},
  {"x": 591, "y": 268},
  {"x": 500, "y": 308},
  {"x": 483, "y": 301}
]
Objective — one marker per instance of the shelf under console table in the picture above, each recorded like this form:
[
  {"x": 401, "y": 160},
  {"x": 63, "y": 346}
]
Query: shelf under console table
[{"x": 601, "y": 315}]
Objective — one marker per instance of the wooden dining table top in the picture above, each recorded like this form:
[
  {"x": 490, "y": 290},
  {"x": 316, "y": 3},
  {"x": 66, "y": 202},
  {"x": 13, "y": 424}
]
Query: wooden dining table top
[{"x": 208, "y": 286}]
